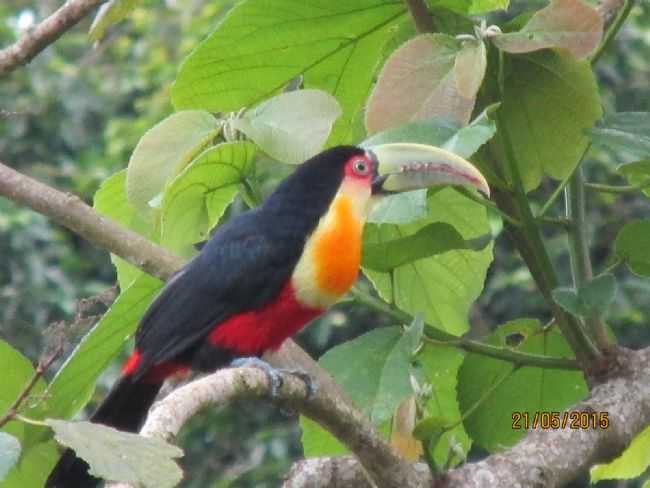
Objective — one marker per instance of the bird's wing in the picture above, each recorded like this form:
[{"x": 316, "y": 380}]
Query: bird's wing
[{"x": 238, "y": 270}]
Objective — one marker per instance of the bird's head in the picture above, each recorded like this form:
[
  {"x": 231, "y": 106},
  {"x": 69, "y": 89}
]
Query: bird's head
[{"x": 375, "y": 171}]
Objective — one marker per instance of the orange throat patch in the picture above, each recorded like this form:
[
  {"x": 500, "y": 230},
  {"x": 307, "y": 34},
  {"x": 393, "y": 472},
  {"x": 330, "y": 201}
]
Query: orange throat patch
[
  {"x": 337, "y": 251},
  {"x": 331, "y": 258}
]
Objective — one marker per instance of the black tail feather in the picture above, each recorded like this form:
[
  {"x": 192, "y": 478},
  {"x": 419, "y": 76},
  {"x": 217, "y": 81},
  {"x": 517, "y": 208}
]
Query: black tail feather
[{"x": 125, "y": 408}]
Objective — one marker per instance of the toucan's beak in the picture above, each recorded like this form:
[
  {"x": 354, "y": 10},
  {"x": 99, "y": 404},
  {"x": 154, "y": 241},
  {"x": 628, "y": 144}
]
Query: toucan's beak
[{"x": 405, "y": 166}]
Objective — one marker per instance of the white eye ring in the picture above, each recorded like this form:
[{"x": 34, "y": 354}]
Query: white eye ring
[{"x": 361, "y": 167}]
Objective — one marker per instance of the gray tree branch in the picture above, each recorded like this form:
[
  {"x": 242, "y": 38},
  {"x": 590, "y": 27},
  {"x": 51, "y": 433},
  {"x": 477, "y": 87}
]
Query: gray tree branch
[
  {"x": 334, "y": 410},
  {"x": 543, "y": 458},
  {"x": 167, "y": 417},
  {"x": 44, "y": 34}
]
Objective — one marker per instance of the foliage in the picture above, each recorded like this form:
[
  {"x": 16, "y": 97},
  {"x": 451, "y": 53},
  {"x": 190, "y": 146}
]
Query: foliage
[{"x": 261, "y": 90}]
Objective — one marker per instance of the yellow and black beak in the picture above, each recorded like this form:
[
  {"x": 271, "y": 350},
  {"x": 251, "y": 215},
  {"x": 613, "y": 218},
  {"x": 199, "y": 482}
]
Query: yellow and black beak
[{"x": 405, "y": 166}]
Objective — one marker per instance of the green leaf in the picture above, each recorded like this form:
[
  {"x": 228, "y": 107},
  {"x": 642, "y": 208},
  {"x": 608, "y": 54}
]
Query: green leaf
[
  {"x": 633, "y": 462},
  {"x": 441, "y": 132},
  {"x": 526, "y": 389},
  {"x": 428, "y": 241},
  {"x": 121, "y": 456},
  {"x": 110, "y": 13},
  {"x": 18, "y": 371},
  {"x": 569, "y": 24},
  {"x": 197, "y": 198},
  {"x": 34, "y": 466},
  {"x": 440, "y": 365},
  {"x": 291, "y": 127},
  {"x": 472, "y": 7},
  {"x": 163, "y": 152},
  {"x": 593, "y": 298},
  {"x": 374, "y": 370},
  {"x": 252, "y": 55},
  {"x": 625, "y": 131},
  {"x": 74, "y": 383},
  {"x": 441, "y": 287},
  {"x": 406, "y": 207},
  {"x": 632, "y": 246},
  {"x": 400, "y": 208},
  {"x": 637, "y": 173},
  {"x": 9, "y": 453},
  {"x": 111, "y": 200},
  {"x": 568, "y": 299},
  {"x": 551, "y": 99},
  {"x": 417, "y": 82},
  {"x": 598, "y": 294}
]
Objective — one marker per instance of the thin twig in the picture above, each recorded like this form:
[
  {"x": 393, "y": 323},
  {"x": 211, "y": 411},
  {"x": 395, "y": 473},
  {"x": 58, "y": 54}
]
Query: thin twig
[
  {"x": 42, "y": 366},
  {"x": 611, "y": 32},
  {"x": 440, "y": 337},
  {"x": 617, "y": 189},
  {"x": 44, "y": 34}
]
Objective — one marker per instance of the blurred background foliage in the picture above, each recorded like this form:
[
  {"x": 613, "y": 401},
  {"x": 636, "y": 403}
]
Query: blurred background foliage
[{"x": 72, "y": 118}]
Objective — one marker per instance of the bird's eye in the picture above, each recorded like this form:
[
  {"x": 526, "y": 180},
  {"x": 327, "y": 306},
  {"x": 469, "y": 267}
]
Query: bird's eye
[{"x": 361, "y": 167}]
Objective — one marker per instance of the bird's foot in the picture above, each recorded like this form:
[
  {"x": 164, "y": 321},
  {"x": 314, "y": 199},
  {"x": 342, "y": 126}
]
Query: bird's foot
[{"x": 275, "y": 374}]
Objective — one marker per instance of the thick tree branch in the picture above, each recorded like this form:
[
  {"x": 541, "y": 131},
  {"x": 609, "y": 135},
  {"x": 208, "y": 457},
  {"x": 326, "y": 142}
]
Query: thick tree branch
[
  {"x": 44, "y": 34},
  {"x": 167, "y": 417},
  {"x": 70, "y": 211},
  {"x": 548, "y": 458},
  {"x": 348, "y": 424}
]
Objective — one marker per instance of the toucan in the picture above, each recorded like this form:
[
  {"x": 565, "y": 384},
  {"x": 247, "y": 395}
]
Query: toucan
[{"x": 264, "y": 275}]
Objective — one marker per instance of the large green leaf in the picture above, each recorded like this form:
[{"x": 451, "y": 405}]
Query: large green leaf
[
  {"x": 632, "y": 246},
  {"x": 261, "y": 45},
  {"x": 291, "y": 127},
  {"x": 121, "y": 456},
  {"x": 526, "y": 390},
  {"x": 197, "y": 198},
  {"x": 111, "y": 200},
  {"x": 625, "y": 131},
  {"x": 570, "y": 24},
  {"x": 428, "y": 241},
  {"x": 473, "y": 7},
  {"x": 440, "y": 366},
  {"x": 374, "y": 370},
  {"x": 17, "y": 371},
  {"x": 550, "y": 99},
  {"x": 74, "y": 383},
  {"x": 34, "y": 466},
  {"x": 633, "y": 462},
  {"x": 163, "y": 152},
  {"x": 441, "y": 287}
]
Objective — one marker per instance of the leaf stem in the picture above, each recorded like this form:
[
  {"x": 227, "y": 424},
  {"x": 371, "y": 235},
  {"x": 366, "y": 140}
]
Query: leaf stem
[
  {"x": 488, "y": 204},
  {"x": 560, "y": 189},
  {"x": 618, "y": 188},
  {"x": 440, "y": 337},
  {"x": 612, "y": 30},
  {"x": 572, "y": 330},
  {"x": 581, "y": 269}
]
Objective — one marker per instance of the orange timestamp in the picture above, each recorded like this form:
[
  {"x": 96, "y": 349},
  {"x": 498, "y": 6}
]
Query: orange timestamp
[{"x": 547, "y": 420}]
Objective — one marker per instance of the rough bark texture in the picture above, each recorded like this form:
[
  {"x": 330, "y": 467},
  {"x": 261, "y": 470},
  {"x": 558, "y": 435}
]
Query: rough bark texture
[
  {"x": 44, "y": 34},
  {"x": 542, "y": 459},
  {"x": 167, "y": 417}
]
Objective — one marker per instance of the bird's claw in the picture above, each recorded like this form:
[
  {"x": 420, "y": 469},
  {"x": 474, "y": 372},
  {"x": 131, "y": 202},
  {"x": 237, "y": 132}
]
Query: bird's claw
[{"x": 275, "y": 375}]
